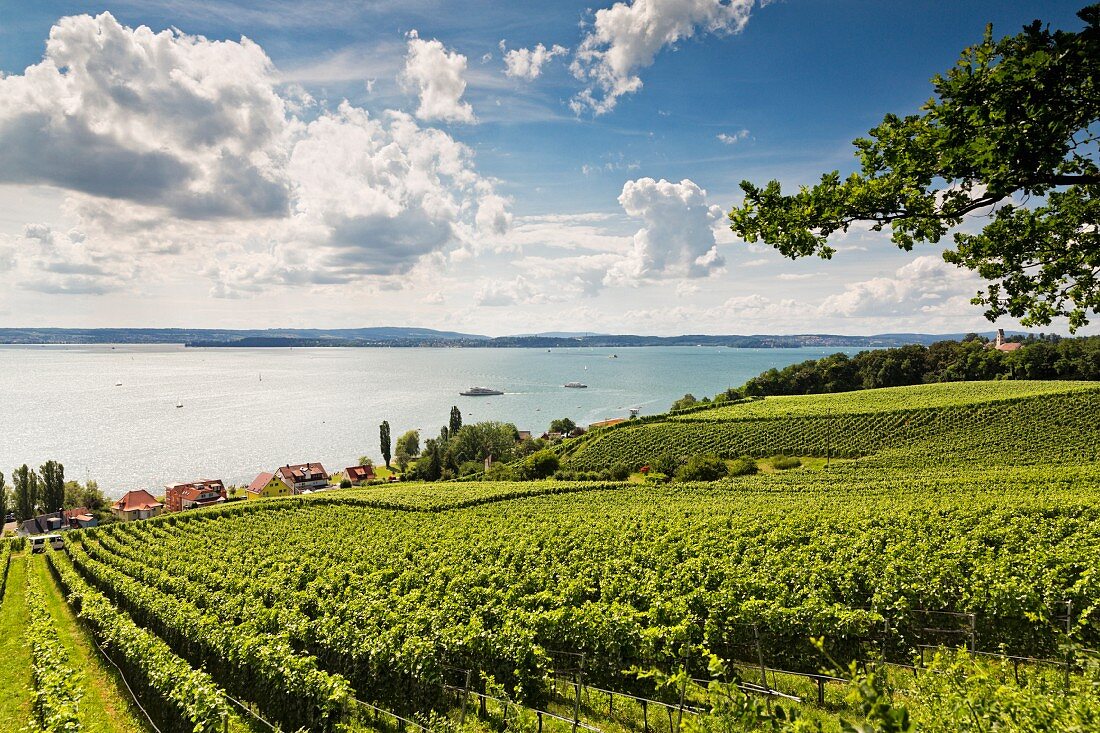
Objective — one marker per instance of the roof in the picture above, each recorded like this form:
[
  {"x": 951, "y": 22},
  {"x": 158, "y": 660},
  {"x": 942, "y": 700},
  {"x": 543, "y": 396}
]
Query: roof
[
  {"x": 524, "y": 434},
  {"x": 359, "y": 473},
  {"x": 1010, "y": 346},
  {"x": 607, "y": 423},
  {"x": 135, "y": 500},
  {"x": 302, "y": 472},
  {"x": 260, "y": 482},
  {"x": 205, "y": 484}
]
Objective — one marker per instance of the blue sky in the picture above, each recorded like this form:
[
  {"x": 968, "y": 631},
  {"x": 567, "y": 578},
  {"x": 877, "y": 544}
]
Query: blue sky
[{"x": 521, "y": 205}]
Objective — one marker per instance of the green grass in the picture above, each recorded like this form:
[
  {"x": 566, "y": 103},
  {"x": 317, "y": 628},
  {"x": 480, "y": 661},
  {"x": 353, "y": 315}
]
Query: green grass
[
  {"x": 105, "y": 706},
  {"x": 890, "y": 399},
  {"x": 15, "y": 667}
]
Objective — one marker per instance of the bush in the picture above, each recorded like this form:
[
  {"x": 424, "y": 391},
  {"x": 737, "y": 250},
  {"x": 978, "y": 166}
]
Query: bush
[
  {"x": 345, "y": 483},
  {"x": 469, "y": 468},
  {"x": 743, "y": 466},
  {"x": 619, "y": 472},
  {"x": 539, "y": 465},
  {"x": 500, "y": 472},
  {"x": 666, "y": 463},
  {"x": 782, "y": 463},
  {"x": 702, "y": 468}
]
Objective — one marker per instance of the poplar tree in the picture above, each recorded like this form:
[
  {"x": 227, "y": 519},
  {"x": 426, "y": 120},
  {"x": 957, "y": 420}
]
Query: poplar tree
[
  {"x": 456, "y": 421},
  {"x": 52, "y": 486},
  {"x": 25, "y": 487},
  {"x": 3, "y": 500},
  {"x": 384, "y": 441}
]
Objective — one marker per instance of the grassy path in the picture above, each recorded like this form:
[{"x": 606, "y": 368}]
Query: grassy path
[
  {"x": 106, "y": 706},
  {"x": 15, "y": 658}
]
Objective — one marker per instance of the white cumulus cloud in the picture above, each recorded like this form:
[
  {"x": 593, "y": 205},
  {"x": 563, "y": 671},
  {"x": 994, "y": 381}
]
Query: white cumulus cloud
[
  {"x": 626, "y": 38},
  {"x": 732, "y": 139},
  {"x": 927, "y": 285},
  {"x": 527, "y": 63},
  {"x": 438, "y": 76},
  {"x": 678, "y": 237}
]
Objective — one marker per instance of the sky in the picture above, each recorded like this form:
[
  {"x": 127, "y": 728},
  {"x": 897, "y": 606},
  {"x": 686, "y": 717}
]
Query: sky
[{"x": 478, "y": 166}]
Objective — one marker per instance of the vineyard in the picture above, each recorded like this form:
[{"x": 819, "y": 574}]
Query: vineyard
[
  {"x": 968, "y": 523},
  {"x": 1019, "y": 427}
]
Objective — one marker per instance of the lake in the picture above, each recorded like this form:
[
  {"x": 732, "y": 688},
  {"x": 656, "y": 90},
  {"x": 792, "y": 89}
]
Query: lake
[{"x": 248, "y": 410}]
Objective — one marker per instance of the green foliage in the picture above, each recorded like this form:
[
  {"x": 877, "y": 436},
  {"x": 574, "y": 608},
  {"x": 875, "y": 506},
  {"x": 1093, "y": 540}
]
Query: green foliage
[
  {"x": 345, "y": 483},
  {"x": 743, "y": 466},
  {"x": 408, "y": 448},
  {"x": 562, "y": 425},
  {"x": 702, "y": 468},
  {"x": 25, "y": 489},
  {"x": 478, "y": 441},
  {"x": 539, "y": 465},
  {"x": 86, "y": 495},
  {"x": 1014, "y": 118},
  {"x": 180, "y": 698},
  {"x": 619, "y": 472},
  {"x": 56, "y": 684},
  {"x": 784, "y": 463},
  {"x": 384, "y": 441},
  {"x": 1049, "y": 427},
  {"x": 667, "y": 463},
  {"x": 5, "y": 501},
  {"x": 52, "y": 486},
  {"x": 684, "y": 402},
  {"x": 455, "y": 422}
]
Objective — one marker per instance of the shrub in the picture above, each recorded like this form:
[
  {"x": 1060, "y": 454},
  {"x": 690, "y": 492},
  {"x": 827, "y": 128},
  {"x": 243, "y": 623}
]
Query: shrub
[
  {"x": 619, "y": 472},
  {"x": 666, "y": 463},
  {"x": 743, "y": 466},
  {"x": 702, "y": 468},
  {"x": 500, "y": 472},
  {"x": 345, "y": 483},
  {"x": 468, "y": 468},
  {"x": 539, "y": 465},
  {"x": 782, "y": 463}
]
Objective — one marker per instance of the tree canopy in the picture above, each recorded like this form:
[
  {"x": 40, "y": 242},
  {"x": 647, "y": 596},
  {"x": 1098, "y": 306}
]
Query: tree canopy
[{"x": 1014, "y": 123}]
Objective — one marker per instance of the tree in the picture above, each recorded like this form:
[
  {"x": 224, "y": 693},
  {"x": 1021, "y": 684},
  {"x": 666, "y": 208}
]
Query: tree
[
  {"x": 702, "y": 468},
  {"x": 3, "y": 501},
  {"x": 87, "y": 495},
  {"x": 384, "y": 441},
  {"x": 1014, "y": 120},
  {"x": 685, "y": 402},
  {"x": 52, "y": 486},
  {"x": 408, "y": 448},
  {"x": 478, "y": 441},
  {"x": 538, "y": 465},
  {"x": 563, "y": 426},
  {"x": 24, "y": 483},
  {"x": 455, "y": 423},
  {"x": 366, "y": 461}
]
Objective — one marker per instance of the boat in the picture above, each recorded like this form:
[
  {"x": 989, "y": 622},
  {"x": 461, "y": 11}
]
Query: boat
[
  {"x": 613, "y": 356},
  {"x": 118, "y": 383},
  {"x": 179, "y": 403},
  {"x": 480, "y": 392},
  {"x": 575, "y": 385}
]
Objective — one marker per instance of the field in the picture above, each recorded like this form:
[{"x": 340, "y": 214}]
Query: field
[{"x": 972, "y": 523}]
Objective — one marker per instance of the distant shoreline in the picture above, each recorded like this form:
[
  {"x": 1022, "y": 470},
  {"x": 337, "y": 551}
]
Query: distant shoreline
[{"x": 427, "y": 338}]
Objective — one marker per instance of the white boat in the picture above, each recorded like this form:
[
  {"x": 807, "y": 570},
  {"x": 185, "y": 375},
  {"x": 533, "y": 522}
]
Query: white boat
[
  {"x": 575, "y": 385},
  {"x": 118, "y": 383},
  {"x": 179, "y": 403},
  {"x": 480, "y": 392}
]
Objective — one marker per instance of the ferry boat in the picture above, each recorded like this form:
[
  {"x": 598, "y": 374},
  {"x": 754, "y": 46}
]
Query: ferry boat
[
  {"x": 575, "y": 385},
  {"x": 480, "y": 392}
]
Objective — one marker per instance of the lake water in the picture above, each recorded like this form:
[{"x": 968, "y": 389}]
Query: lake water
[{"x": 247, "y": 410}]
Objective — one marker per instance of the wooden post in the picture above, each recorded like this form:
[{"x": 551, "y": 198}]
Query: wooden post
[
  {"x": 973, "y": 632},
  {"x": 578, "y": 681},
  {"x": 465, "y": 697},
  {"x": 821, "y": 691},
  {"x": 645, "y": 717},
  {"x": 1069, "y": 631},
  {"x": 760, "y": 658},
  {"x": 540, "y": 720},
  {"x": 610, "y": 703}
]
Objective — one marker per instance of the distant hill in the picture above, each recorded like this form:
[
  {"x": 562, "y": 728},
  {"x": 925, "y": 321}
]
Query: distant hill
[{"x": 411, "y": 337}]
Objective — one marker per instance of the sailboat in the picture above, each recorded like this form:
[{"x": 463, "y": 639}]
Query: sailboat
[
  {"x": 118, "y": 383},
  {"x": 179, "y": 403}
]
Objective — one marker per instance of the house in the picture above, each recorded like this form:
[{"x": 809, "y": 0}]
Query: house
[
  {"x": 266, "y": 485},
  {"x": 59, "y": 521},
  {"x": 1001, "y": 345},
  {"x": 523, "y": 436},
  {"x": 138, "y": 504},
  {"x": 359, "y": 474},
  {"x": 194, "y": 495},
  {"x": 607, "y": 423},
  {"x": 303, "y": 476}
]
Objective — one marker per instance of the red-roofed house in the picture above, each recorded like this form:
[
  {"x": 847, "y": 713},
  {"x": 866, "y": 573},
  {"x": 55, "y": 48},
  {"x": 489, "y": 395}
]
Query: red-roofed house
[
  {"x": 194, "y": 494},
  {"x": 303, "y": 476},
  {"x": 359, "y": 474},
  {"x": 138, "y": 504}
]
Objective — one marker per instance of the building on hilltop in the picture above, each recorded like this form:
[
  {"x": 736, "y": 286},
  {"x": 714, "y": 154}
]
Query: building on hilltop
[
  {"x": 138, "y": 504},
  {"x": 194, "y": 494},
  {"x": 1001, "y": 345}
]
